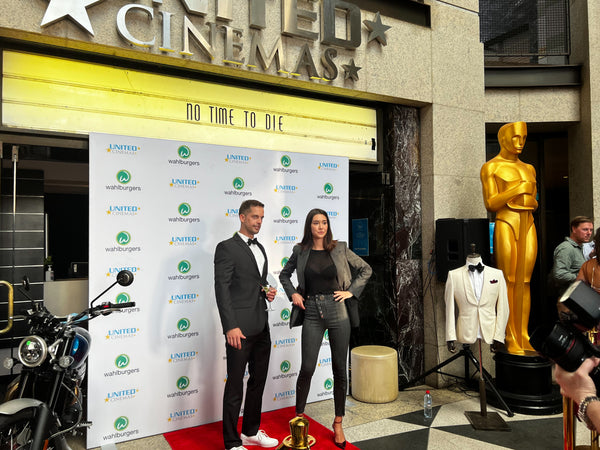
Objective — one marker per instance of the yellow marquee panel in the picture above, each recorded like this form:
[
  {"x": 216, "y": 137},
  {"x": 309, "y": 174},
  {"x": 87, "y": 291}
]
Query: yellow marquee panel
[{"x": 54, "y": 94}]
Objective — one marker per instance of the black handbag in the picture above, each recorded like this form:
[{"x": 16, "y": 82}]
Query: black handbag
[
  {"x": 352, "y": 307},
  {"x": 296, "y": 316}
]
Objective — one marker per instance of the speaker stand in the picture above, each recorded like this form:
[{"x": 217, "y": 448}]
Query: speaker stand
[{"x": 469, "y": 356}]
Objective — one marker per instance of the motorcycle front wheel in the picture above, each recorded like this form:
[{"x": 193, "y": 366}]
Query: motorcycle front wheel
[{"x": 17, "y": 432}]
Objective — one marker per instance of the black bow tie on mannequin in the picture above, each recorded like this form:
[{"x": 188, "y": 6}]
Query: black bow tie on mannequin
[
  {"x": 478, "y": 267},
  {"x": 252, "y": 241}
]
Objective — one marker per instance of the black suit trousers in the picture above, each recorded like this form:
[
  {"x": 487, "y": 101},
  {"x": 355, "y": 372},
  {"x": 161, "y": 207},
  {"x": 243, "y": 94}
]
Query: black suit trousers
[{"x": 255, "y": 353}]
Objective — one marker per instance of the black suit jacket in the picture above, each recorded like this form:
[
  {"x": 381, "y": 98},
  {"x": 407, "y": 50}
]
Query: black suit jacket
[{"x": 240, "y": 299}]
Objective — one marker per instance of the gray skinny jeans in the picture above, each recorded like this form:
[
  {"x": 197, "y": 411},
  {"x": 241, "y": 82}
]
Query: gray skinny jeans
[{"x": 323, "y": 312}]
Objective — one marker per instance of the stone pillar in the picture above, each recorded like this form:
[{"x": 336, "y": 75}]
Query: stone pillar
[
  {"x": 584, "y": 144},
  {"x": 402, "y": 157},
  {"x": 452, "y": 151}
]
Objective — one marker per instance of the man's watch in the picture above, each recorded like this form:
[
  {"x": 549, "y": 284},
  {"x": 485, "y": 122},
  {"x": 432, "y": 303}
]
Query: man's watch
[{"x": 582, "y": 413}]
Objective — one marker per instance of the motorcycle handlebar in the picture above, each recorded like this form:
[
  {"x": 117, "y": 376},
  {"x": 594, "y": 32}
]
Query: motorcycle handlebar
[{"x": 112, "y": 306}]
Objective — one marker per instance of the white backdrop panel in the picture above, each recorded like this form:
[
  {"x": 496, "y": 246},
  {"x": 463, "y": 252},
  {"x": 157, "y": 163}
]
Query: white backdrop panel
[{"x": 159, "y": 208}]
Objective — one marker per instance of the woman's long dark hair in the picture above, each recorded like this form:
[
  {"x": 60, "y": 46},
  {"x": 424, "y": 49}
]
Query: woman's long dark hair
[
  {"x": 307, "y": 241},
  {"x": 597, "y": 245}
]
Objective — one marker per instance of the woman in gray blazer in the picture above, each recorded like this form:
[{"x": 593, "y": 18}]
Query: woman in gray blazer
[{"x": 325, "y": 281}]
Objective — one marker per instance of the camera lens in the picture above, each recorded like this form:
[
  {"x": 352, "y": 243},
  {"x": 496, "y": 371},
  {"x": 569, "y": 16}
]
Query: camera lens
[{"x": 565, "y": 347}]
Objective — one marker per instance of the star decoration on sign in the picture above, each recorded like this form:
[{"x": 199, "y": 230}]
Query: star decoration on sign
[
  {"x": 351, "y": 70},
  {"x": 377, "y": 29},
  {"x": 74, "y": 9}
]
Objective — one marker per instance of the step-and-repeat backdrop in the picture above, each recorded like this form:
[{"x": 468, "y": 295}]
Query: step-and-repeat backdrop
[{"x": 158, "y": 208}]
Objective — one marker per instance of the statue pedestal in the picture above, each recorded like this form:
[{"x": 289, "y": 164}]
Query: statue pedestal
[{"x": 525, "y": 384}]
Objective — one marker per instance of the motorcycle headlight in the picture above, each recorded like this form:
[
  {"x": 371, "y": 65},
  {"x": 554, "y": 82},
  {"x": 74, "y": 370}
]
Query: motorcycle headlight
[{"x": 32, "y": 351}]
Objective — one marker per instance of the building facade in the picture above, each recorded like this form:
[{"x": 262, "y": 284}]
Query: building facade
[{"x": 438, "y": 96}]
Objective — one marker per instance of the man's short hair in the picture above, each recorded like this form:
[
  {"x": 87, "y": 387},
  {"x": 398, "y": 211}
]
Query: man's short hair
[
  {"x": 247, "y": 205},
  {"x": 578, "y": 220}
]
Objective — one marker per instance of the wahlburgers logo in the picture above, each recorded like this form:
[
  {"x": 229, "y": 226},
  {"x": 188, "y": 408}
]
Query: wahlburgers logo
[
  {"x": 183, "y": 383},
  {"x": 328, "y": 188},
  {"x": 122, "y": 361},
  {"x": 328, "y": 384},
  {"x": 184, "y": 209},
  {"x": 286, "y": 212},
  {"x": 121, "y": 423},
  {"x": 286, "y": 161},
  {"x": 284, "y": 261},
  {"x": 238, "y": 183},
  {"x": 184, "y": 266},
  {"x": 326, "y": 335},
  {"x": 285, "y": 314},
  {"x": 184, "y": 152},
  {"x": 285, "y": 366},
  {"x": 123, "y": 176},
  {"x": 122, "y": 297},
  {"x": 183, "y": 324},
  {"x": 123, "y": 238}
]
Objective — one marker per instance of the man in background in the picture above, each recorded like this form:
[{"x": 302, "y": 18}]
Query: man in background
[{"x": 568, "y": 255}]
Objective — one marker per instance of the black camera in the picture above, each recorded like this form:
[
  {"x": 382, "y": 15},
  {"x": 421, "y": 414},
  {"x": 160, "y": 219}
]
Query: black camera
[{"x": 564, "y": 342}]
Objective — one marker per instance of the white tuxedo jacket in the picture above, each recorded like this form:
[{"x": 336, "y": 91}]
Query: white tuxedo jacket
[{"x": 491, "y": 312}]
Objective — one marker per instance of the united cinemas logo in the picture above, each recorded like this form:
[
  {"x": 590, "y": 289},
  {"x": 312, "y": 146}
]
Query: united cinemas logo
[
  {"x": 123, "y": 394},
  {"x": 122, "y": 333},
  {"x": 205, "y": 27},
  {"x": 184, "y": 183},
  {"x": 112, "y": 271},
  {"x": 285, "y": 188},
  {"x": 183, "y": 241},
  {"x": 284, "y": 239},
  {"x": 123, "y": 210},
  {"x": 282, "y": 343},
  {"x": 284, "y": 395},
  {"x": 123, "y": 149},
  {"x": 237, "y": 159},
  {"x": 184, "y": 298},
  {"x": 324, "y": 165},
  {"x": 182, "y": 414},
  {"x": 176, "y": 357}
]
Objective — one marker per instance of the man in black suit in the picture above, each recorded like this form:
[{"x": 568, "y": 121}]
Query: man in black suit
[{"x": 240, "y": 289}]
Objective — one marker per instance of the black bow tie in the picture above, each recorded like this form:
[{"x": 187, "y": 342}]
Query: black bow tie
[
  {"x": 252, "y": 241},
  {"x": 478, "y": 267}
]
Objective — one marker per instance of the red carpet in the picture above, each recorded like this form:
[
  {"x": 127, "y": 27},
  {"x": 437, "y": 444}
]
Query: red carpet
[{"x": 275, "y": 423}]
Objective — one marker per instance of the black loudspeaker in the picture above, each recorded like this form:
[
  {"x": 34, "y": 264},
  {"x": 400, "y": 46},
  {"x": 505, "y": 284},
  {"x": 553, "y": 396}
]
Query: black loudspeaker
[{"x": 453, "y": 238}]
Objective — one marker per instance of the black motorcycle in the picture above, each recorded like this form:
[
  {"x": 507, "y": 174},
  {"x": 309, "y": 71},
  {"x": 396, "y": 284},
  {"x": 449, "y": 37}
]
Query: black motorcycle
[{"x": 44, "y": 402}]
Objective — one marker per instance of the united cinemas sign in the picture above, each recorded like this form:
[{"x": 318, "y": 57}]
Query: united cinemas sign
[{"x": 208, "y": 32}]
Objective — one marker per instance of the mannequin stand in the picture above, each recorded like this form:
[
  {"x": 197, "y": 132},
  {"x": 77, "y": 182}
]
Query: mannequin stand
[
  {"x": 483, "y": 420},
  {"x": 469, "y": 356}
]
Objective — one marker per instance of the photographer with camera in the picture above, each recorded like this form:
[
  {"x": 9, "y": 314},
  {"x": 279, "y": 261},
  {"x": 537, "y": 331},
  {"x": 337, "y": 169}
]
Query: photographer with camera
[{"x": 579, "y": 386}]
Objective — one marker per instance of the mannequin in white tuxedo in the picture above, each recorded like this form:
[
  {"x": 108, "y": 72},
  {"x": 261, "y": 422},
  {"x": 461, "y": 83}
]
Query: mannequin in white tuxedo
[{"x": 482, "y": 300}]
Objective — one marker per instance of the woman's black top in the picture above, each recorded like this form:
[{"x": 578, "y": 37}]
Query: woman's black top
[{"x": 320, "y": 274}]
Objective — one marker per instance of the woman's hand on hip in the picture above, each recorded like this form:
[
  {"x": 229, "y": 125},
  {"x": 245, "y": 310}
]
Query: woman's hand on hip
[
  {"x": 298, "y": 300},
  {"x": 340, "y": 296}
]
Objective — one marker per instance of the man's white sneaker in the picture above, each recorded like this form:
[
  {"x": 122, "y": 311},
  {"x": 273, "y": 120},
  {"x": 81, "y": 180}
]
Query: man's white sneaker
[
  {"x": 261, "y": 439},
  {"x": 240, "y": 447}
]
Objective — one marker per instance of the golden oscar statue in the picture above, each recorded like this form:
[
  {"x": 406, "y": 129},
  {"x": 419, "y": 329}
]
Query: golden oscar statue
[{"x": 509, "y": 190}]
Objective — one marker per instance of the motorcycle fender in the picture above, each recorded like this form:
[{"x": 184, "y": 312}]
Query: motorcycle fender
[{"x": 14, "y": 406}]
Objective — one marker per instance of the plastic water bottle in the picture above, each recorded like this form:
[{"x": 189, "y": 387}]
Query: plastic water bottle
[{"x": 427, "y": 402}]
